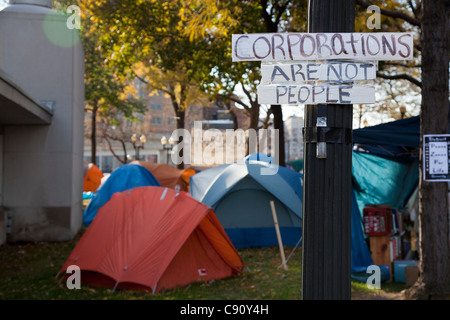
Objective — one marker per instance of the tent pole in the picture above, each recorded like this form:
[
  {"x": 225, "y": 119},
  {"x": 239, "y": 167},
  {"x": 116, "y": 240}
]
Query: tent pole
[
  {"x": 277, "y": 228},
  {"x": 115, "y": 286}
]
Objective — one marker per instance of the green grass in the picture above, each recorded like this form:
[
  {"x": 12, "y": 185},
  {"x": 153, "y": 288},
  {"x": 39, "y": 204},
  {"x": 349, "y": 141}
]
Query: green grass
[{"x": 28, "y": 270}]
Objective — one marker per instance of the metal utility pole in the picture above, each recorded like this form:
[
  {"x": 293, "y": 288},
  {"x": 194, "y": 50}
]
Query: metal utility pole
[{"x": 326, "y": 262}]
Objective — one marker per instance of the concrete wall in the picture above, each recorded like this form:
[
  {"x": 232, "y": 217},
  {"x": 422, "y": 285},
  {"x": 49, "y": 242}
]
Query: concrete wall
[
  {"x": 2, "y": 213},
  {"x": 43, "y": 165}
]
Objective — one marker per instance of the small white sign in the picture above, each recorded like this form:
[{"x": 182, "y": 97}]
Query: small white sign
[
  {"x": 322, "y": 46},
  {"x": 314, "y": 94},
  {"x": 436, "y": 157},
  {"x": 302, "y": 71}
]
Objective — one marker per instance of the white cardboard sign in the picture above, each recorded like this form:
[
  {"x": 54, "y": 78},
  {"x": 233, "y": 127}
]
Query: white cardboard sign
[
  {"x": 314, "y": 94},
  {"x": 436, "y": 157},
  {"x": 322, "y": 46},
  {"x": 302, "y": 71}
]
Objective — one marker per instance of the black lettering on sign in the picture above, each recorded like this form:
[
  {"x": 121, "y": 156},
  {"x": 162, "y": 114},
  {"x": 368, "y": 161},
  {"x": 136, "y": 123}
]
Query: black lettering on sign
[
  {"x": 343, "y": 93},
  {"x": 310, "y": 69},
  {"x": 279, "y": 46},
  {"x": 365, "y": 67},
  {"x": 300, "y": 100},
  {"x": 320, "y": 44},
  {"x": 408, "y": 49},
  {"x": 341, "y": 44},
  {"x": 294, "y": 73},
  {"x": 348, "y": 73},
  {"x": 385, "y": 44},
  {"x": 302, "y": 45},
  {"x": 236, "y": 49},
  {"x": 277, "y": 71},
  {"x": 375, "y": 40},
  {"x": 338, "y": 74},
  {"x": 291, "y": 44},
  {"x": 269, "y": 49},
  {"x": 280, "y": 94}
]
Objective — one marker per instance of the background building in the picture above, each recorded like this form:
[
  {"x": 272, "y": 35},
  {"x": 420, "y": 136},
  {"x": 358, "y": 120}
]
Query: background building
[
  {"x": 157, "y": 122},
  {"x": 41, "y": 124},
  {"x": 293, "y": 138}
]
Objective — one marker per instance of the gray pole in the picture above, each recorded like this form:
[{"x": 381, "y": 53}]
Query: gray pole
[{"x": 326, "y": 250}]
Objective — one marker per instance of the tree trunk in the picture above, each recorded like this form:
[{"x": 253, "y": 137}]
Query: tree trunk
[
  {"x": 254, "y": 116},
  {"x": 279, "y": 124},
  {"x": 233, "y": 117},
  {"x": 434, "y": 241},
  {"x": 94, "y": 132}
]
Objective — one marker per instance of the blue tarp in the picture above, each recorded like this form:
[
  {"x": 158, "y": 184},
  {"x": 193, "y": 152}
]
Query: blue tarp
[
  {"x": 378, "y": 180},
  {"x": 399, "y": 134},
  {"x": 387, "y": 172},
  {"x": 360, "y": 253},
  {"x": 396, "y": 139},
  {"x": 123, "y": 178}
]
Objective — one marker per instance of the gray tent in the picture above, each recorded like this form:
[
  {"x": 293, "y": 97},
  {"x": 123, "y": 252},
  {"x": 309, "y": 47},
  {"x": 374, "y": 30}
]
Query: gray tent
[{"x": 240, "y": 195}]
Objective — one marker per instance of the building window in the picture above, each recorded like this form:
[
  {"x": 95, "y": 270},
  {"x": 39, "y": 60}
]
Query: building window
[
  {"x": 156, "y": 120},
  {"x": 106, "y": 164},
  {"x": 159, "y": 106},
  {"x": 152, "y": 106}
]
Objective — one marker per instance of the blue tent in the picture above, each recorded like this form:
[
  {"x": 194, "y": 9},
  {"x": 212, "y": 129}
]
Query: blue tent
[
  {"x": 240, "y": 195},
  {"x": 398, "y": 139},
  {"x": 391, "y": 139},
  {"x": 123, "y": 178}
]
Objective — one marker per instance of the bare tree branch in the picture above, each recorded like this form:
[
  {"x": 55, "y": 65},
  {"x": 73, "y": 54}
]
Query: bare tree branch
[
  {"x": 107, "y": 137},
  {"x": 415, "y": 9},
  {"x": 399, "y": 64},
  {"x": 403, "y": 76},
  {"x": 238, "y": 101}
]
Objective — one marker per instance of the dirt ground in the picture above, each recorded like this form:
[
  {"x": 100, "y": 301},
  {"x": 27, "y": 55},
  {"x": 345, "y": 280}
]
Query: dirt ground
[{"x": 380, "y": 296}]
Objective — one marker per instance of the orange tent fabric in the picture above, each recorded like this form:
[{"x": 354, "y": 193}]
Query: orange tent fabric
[
  {"x": 92, "y": 177},
  {"x": 169, "y": 176},
  {"x": 154, "y": 238}
]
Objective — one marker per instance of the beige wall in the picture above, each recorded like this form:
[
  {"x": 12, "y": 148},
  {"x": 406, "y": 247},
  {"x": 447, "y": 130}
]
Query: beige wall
[{"x": 43, "y": 165}]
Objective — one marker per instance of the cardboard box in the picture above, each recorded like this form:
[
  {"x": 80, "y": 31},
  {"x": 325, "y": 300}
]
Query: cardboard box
[
  {"x": 411, "y": 274},
  {"x": 399, "y": 269}
]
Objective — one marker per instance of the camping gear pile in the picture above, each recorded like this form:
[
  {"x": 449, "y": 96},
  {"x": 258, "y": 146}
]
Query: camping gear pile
[{"x": 385, "y": 172}]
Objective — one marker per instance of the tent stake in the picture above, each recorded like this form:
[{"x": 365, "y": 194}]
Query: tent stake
[
  {"x": 115, "y": 286},
  {"x": 277, "y": 228}
]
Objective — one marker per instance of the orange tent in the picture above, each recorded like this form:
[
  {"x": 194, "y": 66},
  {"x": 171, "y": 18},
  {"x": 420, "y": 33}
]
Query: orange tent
[
  {"x": 92, "y": 177},
  {"x": 169, "y": 176},
  {"x": 153, "y": 238}
]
